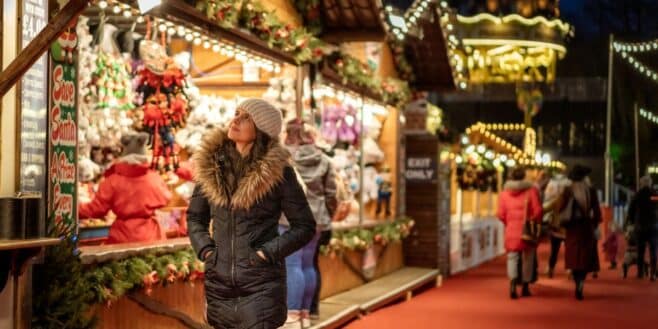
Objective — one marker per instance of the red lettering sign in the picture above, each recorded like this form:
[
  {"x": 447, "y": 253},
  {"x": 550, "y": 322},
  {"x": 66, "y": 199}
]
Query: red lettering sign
[{"x": 63, "y": 91}]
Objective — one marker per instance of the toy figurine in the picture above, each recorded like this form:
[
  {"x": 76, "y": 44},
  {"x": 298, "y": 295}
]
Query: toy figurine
[{"x": 384, "y": 193}]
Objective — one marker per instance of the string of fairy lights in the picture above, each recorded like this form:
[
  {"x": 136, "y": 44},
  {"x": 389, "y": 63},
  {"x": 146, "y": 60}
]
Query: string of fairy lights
[{"x": 626, "y": 50}]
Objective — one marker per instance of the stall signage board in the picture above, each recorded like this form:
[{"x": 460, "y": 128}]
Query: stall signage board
[
  {"x": 420, "y": 169},
  {"x": 63, "y": 128},
  {"x": 34, "y": 103}
]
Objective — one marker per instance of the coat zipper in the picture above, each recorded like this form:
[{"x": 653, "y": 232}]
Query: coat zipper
[{"x": 233, "y": 249}]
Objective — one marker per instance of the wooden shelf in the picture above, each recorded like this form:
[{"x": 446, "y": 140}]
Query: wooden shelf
[
  {"x": 104, "y": 253},
  {"x": 182, "y": 13},
  {"x": 27, "y": 243}
]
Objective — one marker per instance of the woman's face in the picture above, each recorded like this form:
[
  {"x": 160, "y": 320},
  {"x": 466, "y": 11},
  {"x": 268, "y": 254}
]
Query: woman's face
[{"x": 242, "y": 129}]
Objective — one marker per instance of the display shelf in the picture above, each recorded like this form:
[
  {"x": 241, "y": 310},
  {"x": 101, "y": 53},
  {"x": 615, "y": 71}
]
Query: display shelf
[
  {"x": 104, "y": 253},
  {"x": 182, "y": 13},
  {"x": 367, "y": 223},
  {"x": 27, "y": 243}
]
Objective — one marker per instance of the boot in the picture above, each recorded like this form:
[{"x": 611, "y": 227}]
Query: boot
[
  {"x": 580, "y": 286},
  {"x": 550, "y": 273},
  {"x": 525, "y": 292},
  {"x": 512, "y": 289},
  {"x": 613, "y": 265},
  {"x": 624, "y": 269}
]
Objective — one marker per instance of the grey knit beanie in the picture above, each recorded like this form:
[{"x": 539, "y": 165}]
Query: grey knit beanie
[{"x": 265, "y": 116}]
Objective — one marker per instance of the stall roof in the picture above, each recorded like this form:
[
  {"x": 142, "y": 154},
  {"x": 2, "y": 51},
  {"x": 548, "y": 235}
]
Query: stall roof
[
  {"x": 182, "y": 13},
  {"x": 352, "y": 20},
  {"x": 428, "y": 56}
]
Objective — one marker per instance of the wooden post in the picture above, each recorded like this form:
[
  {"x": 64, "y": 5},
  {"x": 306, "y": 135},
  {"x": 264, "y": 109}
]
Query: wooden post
[{"x": 41, "y": 43}]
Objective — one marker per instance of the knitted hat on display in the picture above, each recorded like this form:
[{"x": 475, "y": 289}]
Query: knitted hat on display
[{"x": 265, "y": 116}]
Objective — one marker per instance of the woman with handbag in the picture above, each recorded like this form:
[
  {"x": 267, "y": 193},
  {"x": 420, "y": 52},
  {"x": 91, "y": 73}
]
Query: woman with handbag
[
  {"x": 580, "y": 215},
  {"x": 520, "y": 210}
]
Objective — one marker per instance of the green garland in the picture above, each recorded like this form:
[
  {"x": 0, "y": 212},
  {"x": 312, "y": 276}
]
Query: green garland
[
  {"x": 310, "y": 11},
  {"x": 403, "y": 65},
  {"x": 361, "y": 239},
  {"x": 111, "y": 280},
  {"x": 252, "y": 16},
  {"x": 351, "y": 70}
]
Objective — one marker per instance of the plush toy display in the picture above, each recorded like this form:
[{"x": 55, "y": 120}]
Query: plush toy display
[{"x": 340, "y": 123}]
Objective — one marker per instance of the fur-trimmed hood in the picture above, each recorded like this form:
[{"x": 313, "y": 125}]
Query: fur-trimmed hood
[
  {"x": 517, "y": 186},
  {"x": 257, "y": 182}
]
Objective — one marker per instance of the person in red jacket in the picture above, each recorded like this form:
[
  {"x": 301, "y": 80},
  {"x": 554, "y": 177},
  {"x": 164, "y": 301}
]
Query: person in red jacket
[
  {"x": 133, "y": 192},
  {"x": 518, "y": 202}
]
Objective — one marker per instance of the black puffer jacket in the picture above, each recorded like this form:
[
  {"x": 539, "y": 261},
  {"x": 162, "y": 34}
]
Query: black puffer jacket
[
  {"x": 642, "y": 211},
  {"x": 242, "y": 290}
]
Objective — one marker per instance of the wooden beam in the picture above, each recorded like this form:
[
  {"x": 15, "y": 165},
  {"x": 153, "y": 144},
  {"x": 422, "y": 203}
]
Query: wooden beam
[
  {"x": 353, "y": 35},
  {"x": 39, "y": 45}
]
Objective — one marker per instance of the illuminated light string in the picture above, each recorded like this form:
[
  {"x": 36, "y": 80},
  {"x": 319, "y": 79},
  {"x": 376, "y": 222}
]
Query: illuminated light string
[
  {"x": 649, "y": 116},
  {"x": 564, "y": 27},
  {"x": 195, "y": 37},
  {"x": 401, "y": 25},
  {"x": 636, "y": 47},
  {"x": 639, "y": 67}
]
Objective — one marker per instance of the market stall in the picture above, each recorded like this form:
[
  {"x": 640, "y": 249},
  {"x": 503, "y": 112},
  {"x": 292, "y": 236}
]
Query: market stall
[{"x": 487, "y": 152}]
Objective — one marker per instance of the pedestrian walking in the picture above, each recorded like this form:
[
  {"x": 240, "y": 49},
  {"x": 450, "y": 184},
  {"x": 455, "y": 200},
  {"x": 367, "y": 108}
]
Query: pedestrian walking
[
  {"x": 642, "y": 214},
  {"x": 557, "y": 233},
  {"x": 580, "y": 215},
  {"x": 244, "y": 184},
  {"x": 518, "y": 203}
]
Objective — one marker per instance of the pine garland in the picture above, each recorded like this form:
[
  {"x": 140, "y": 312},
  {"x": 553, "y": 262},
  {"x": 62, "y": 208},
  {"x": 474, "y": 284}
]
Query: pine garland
[
  {"x": 252, "y": 16},
  {"x": 361, "y": 239}
]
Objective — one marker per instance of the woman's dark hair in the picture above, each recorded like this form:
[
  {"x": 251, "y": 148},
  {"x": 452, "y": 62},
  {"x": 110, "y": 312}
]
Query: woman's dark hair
[
  {"x": 262, "y": 144},
  {"x": 518, "y": 173}
]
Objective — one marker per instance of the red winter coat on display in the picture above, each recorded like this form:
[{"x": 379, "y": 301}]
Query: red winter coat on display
[
  {"x": 133, "y": 192},
  {"x": 513, "y": 200}
]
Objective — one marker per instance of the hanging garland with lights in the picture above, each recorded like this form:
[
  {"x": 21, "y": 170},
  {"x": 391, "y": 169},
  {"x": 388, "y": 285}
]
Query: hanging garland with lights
[
  {"x": 361, "y": 239},
  {"x": 351, "y": 70},
  {"x": 264, "y": 24},
  {"x": 478, "y": 167},
  {"x": 627, "y": 49}
]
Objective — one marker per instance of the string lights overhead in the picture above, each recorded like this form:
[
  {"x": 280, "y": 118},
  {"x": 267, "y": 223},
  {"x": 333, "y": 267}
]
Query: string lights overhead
[
  {"x": 649, "y": 116},
  {"x": 627, "y": 49}
]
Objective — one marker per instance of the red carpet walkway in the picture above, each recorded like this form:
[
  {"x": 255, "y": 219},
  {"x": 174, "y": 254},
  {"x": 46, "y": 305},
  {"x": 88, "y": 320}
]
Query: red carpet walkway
[{"x": 479, "y": 299}]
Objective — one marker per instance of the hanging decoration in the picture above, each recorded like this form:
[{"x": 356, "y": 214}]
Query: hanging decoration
[
  {"x": 529, "y": 101},
  {"x": 161, "y": 83},
  {"x": 627, "y": 49},
  {"x": 478, "y": 167}
]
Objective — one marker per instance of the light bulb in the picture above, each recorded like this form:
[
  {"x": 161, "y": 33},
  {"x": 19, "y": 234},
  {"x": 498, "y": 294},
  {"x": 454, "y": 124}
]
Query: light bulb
[
  {"x": 162, "y": 28},
  {"x": 171, "y": 31},
  {"x": 197, "y": 41},
  {"x": 102, "y": 5},
  {"x": 189, "y": 37},
  {"x": 140, "y": 19},
  {"x": 215, "y": 48},
  {"x": 127, "y": 13},
  {"x": 181, "y": 31},
  {"x": 206, "y": 44},
  {"x": 116, "y": 9}
]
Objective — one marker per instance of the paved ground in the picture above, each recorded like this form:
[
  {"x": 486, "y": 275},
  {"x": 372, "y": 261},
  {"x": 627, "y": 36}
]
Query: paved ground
[{"x": 479, "y": 299}]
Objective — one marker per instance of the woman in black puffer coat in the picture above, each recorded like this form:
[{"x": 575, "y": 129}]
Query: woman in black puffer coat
[{"x": 244, "y": 184}]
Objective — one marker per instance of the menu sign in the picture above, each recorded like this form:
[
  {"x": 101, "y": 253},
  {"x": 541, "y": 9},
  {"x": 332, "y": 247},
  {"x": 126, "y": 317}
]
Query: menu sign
[
  {"x": 34, "y": 103},
  {"x": 63, "y": 129}
]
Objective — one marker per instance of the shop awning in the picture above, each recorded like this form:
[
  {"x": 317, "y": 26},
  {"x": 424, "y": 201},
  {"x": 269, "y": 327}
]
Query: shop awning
[
  {"x": 180, "y": 12},
  {"x": 352, "y": 20},
  {"x": 427, "y": 53}
]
